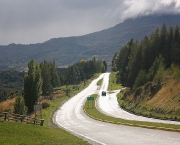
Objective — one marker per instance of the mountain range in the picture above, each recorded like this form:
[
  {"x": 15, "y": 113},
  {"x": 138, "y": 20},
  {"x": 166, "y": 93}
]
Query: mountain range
[{"x": 69, "y": 50}]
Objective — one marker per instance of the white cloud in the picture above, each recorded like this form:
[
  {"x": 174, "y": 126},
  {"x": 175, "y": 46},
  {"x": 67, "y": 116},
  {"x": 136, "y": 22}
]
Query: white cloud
[
  {"x": 178, "y": 4},
  {"x": 135, "y": 8}
]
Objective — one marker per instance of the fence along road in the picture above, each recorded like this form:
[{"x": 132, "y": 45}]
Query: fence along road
[{"x": 72, "y": 118}]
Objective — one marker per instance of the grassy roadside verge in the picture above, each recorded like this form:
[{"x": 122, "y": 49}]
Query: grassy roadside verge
[
  {"x": 112, "y": 82},
  {"x": 95, "y": 114},
  {"x": 16, "y": 133},
  {"x": 99, "y": 82},
  {"x": 19, "y": 133}
]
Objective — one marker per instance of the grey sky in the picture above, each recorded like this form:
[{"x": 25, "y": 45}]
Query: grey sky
[{"x": 35, "y": 21}]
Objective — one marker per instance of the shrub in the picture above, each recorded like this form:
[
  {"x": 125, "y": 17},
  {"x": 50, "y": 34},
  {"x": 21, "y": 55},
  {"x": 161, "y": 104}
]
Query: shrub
[
  {"x": 45, "y": 104},
  {"x": 19, "y": 105},
  {"x": 176, "y": 71}
]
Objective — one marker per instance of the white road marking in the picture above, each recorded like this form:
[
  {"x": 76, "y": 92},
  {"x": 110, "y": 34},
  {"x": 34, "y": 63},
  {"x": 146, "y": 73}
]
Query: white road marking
[{"x": 71, "y": 117}]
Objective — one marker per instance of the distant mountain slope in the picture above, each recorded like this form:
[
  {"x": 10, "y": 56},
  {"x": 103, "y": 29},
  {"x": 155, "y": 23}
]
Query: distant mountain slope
[{"x": 69, "y": 50}]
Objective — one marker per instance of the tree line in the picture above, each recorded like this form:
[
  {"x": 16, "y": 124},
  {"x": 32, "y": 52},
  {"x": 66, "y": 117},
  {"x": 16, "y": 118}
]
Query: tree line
[
  {"x": 42, "y": 78},
  {"x": 82, "y": 71},
  {"x": 10, "y": 83},
  {"x": 139, "y": 62}
]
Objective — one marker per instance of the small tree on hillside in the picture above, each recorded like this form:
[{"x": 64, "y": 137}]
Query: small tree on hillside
[
  {"x": 140, "y": 79},
  {"x": 19, "y": 106},
  {"x": 160, "y": 70}
]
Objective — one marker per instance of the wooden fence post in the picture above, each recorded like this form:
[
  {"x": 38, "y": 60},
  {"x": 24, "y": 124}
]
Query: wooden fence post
[
  {"x": 5, "y": 116},
  {"x": 42, "y": 121}
]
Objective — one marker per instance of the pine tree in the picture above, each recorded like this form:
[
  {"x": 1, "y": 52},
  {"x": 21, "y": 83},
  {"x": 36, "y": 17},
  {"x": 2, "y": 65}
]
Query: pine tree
[
  {"x": 140, "y": 79},
  {"x": 176, "y": 46},
  {"x": 168, "y": 50}
]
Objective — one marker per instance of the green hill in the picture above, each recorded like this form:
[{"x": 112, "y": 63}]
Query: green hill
[
  {"x": 150, "y": 70},
  {"x": 69, "y": 50}
]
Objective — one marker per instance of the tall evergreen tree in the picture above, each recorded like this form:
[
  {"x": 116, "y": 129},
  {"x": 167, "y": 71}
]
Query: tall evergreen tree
[
  {"x": 163, "y": 40},
  {"x": 153, "y": 54},
  {"x": 104, "y": 66},
  {"x": 176, "y": 46},
  {"x": 168, "y": 50},
  {"x": 140, "y": 79},
  {"x": 32, "y": 85},
  {"x": 47, "y": 87},
  {"x": 55, "y": 80}
]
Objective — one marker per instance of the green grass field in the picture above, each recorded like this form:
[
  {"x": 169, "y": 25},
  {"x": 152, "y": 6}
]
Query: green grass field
[{"x": 12, "y": 133}]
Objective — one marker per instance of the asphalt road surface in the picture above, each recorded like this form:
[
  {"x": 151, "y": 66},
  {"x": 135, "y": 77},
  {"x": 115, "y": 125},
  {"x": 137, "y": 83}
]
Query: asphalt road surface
[
  {"x": 72, "y": 118},
  {"x": 108, "y": 105}
]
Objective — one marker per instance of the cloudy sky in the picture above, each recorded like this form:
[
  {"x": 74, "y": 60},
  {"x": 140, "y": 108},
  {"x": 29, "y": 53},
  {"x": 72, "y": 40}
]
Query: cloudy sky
[{"x": 36, "y": 21}]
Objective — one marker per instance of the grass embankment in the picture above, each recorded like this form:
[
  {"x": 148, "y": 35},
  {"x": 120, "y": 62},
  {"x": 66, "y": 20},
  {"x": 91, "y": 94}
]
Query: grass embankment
[
  {"x": 12, "y": 133},
  {"x": 162, "y": 102},
  {"x": 94, "y": 113}
]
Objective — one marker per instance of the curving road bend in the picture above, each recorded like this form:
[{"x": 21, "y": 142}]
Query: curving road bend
[
  {"x": 72, "y": 118},
  {"x": 109, "y": 105}
]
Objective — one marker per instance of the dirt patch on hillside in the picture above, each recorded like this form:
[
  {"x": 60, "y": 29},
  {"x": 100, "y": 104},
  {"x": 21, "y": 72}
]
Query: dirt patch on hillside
[
  {"x": 168, "y": 96},
  {"x": 7, "y": 105}
]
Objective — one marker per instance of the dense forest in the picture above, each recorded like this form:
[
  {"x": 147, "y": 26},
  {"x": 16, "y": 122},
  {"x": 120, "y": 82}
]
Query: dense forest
[
  {"x": 11, "y": 82},
  {"x": 82, "y": 71},
  {"x": 73, "y": 75},
  {"x": 139, "y": 62},
  {"x": 150, "y": 71}
]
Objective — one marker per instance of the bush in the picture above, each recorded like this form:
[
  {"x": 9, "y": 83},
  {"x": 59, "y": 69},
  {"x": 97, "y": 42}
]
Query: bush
[
  {"x": 19, "y": 106},
  {"x": 45, "y": 104},
  {"x": 176, "y": 71}
]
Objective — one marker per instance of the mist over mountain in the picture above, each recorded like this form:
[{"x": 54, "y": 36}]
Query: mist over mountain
[{"x": 69, "y": 50}]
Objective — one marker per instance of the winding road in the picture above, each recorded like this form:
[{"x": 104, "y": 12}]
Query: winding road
[
  {"x": 109, "y": 106},
  {"x": 71, "y": 117}
]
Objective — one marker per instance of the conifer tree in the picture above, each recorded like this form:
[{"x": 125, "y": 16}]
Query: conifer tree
[
  {"x": 47, "y": 87},
  {"x": 32, "y": 85}
]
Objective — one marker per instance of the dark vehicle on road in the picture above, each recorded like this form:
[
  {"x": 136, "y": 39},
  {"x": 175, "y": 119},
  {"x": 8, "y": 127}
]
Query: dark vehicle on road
[{"x": 103, "y": 93}]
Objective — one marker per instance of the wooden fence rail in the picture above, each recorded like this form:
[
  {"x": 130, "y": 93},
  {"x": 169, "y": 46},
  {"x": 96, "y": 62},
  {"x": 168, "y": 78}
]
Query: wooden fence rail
[{"x": 5, "y": 116}]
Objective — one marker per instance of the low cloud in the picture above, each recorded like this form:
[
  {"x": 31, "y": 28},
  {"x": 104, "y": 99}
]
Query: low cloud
[{"x": 136, "y": 8}]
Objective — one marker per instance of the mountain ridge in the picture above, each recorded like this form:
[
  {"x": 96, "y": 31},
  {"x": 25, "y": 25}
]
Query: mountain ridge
[{"x": 69, "y": 50}]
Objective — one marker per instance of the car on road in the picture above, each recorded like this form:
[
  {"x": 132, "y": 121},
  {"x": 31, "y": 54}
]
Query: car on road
[{"x": 103, "y": 93}]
